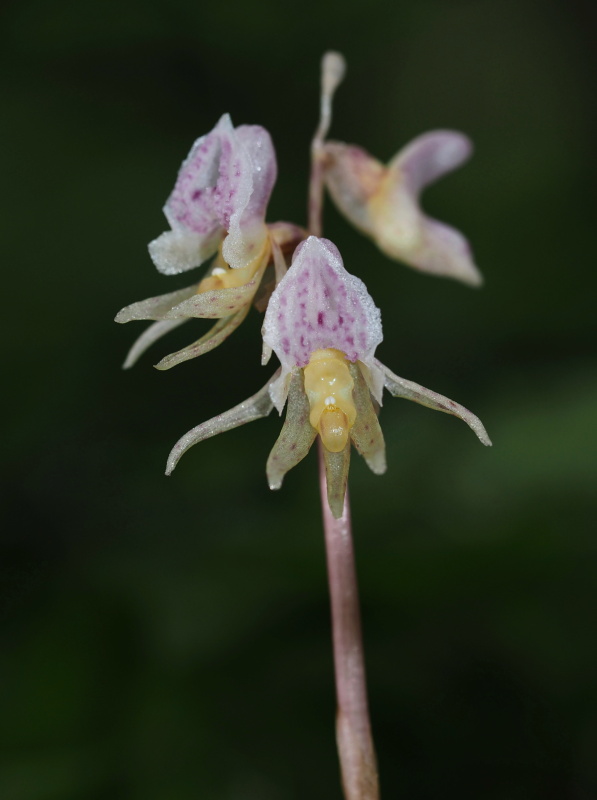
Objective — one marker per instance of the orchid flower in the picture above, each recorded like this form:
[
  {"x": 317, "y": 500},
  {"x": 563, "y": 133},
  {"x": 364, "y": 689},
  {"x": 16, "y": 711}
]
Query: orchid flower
[
  {"x": 217, "y": 207},
  {"x": 324, "y": 327},
  {"x": 383, "y": 201}
]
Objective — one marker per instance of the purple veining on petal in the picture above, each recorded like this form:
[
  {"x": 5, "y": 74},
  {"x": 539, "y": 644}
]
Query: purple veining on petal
[
  {"x": 319, "y": 305},
  {"x": 191, "y": 204}
]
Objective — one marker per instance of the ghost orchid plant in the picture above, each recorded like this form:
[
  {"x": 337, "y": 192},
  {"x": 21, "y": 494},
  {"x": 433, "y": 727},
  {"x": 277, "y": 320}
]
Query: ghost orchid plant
[{"x": 320, "y": 322}]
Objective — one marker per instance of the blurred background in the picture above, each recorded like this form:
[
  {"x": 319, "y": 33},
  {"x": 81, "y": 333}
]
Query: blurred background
[{"x": 169, "y": 639}]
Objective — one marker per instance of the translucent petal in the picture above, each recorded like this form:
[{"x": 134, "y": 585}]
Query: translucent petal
[
  {"x": 178, "y": 251},
  {"x": 155, "y": 307},
  {"x": 247, "y": 175},
  {"x": 296, "y": 437},
  {"x": 150, "y": 335},
  {"x": 319, "y": 305},
  {"x": 259, "y": 405},
  {"x": 336, "y": 475},
  {"x": 366, "y": 433},
  {"x": 214, "y": 337},
  {"x": 352, "y": 177},
  {"x": 399, "y": 387}
]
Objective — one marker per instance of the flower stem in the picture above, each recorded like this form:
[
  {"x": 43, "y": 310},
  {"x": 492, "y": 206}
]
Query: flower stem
[
  {"x": 332, "y": 71},
  {"x": 353, "y": 730}
]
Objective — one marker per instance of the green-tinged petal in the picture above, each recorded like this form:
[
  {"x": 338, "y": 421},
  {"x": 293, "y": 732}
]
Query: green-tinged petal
[
  {"x": 336, "y": 476},
  {"x": 214, "y": 337},
  {"x": 296, "y": 437},
  {"x": 400, "y": 387},
  {"x": 150, "y": 335},
  {"x": 366, "y": 433},
  {"x": 217, "y": 302},
  {"x": 155, "y": 307},
  {"x": 259, "y": 405}
]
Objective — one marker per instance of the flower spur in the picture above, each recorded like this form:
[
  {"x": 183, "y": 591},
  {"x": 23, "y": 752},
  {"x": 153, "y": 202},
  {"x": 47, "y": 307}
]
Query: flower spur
[
  {"x": 324, "y": 327},
  {"x": 217, "y": 207}
]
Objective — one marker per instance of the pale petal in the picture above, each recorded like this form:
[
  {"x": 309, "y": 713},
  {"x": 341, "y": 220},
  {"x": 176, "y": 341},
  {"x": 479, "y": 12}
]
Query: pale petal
[
  {"x": 214, "y": 337},
  {"x": 217, "y": 302},
  {"x": 247, "y": 176},
  {"x": 155, "y": 307},
  {"x": 336, "y": 476},
  {"x": 259, "y": 405},
  {"x": 179, "y": 250},
  {"x": 191, "y": 211},
  {"x": 222, "y": 187},
  {"x": 400, "y": 387},
  {"x": 150, "y": 335},
  {"x": 296, "y": 437},
  {"x": 443, "y": 250},
  {"x": 366, "y": 433},
  {"x": 403, "y": 232},
  {"x": 353, "y": 177},
  {"x": 383, "y": 202},
  {"x": 430, "y": 156},
  {"x": 319, "y": 305}
]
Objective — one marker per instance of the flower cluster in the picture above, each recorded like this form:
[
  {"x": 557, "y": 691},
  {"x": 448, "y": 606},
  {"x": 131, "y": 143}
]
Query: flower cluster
[{"x": 320, "y": 321}]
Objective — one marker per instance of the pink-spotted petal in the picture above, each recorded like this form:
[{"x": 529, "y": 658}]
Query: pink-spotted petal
[
  {"x": 408, "y": 390},
  {"x": 191, "y": 209},
  {"x": 319, "y": 305},
  {"x": 155, "y": 307},
  {"x": 150, "y": 335},
  {"x": 259, "y": 405},
  {"x": 247, "y": 176}
]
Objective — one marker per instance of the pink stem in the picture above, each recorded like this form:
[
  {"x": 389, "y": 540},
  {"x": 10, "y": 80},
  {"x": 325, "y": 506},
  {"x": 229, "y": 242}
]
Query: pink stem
[{"x": 353, "y": 730}]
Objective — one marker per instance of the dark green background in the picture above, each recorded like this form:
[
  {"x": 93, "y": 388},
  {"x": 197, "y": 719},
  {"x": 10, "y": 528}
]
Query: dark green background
[{"x": 168, "y": 639}]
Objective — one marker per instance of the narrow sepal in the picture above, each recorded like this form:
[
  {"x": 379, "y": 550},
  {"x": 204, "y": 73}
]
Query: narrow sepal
[
  {"x": 296, "y": 437},
  {"x": 255, "y": 407},
  {"x": 408, "y": 390},
  {"x": 336, "y": 476},
  {"x": 214, "y": 337},
  {"x": 150, "y": 335},
  {"x": 155, "y": 307},
  {"x": 366, "y": 432}
]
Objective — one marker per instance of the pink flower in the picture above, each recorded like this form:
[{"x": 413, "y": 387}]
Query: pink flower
[
  {"x": 217, "y": 207},
  {"x": 383, "y": 201},
  {"x": 324, "y": 327}
]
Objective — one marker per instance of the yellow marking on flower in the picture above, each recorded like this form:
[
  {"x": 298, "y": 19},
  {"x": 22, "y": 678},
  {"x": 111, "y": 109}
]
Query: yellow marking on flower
[
  {"x": 329, "y": 385},
  {"x": 223, "y": 277}
]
